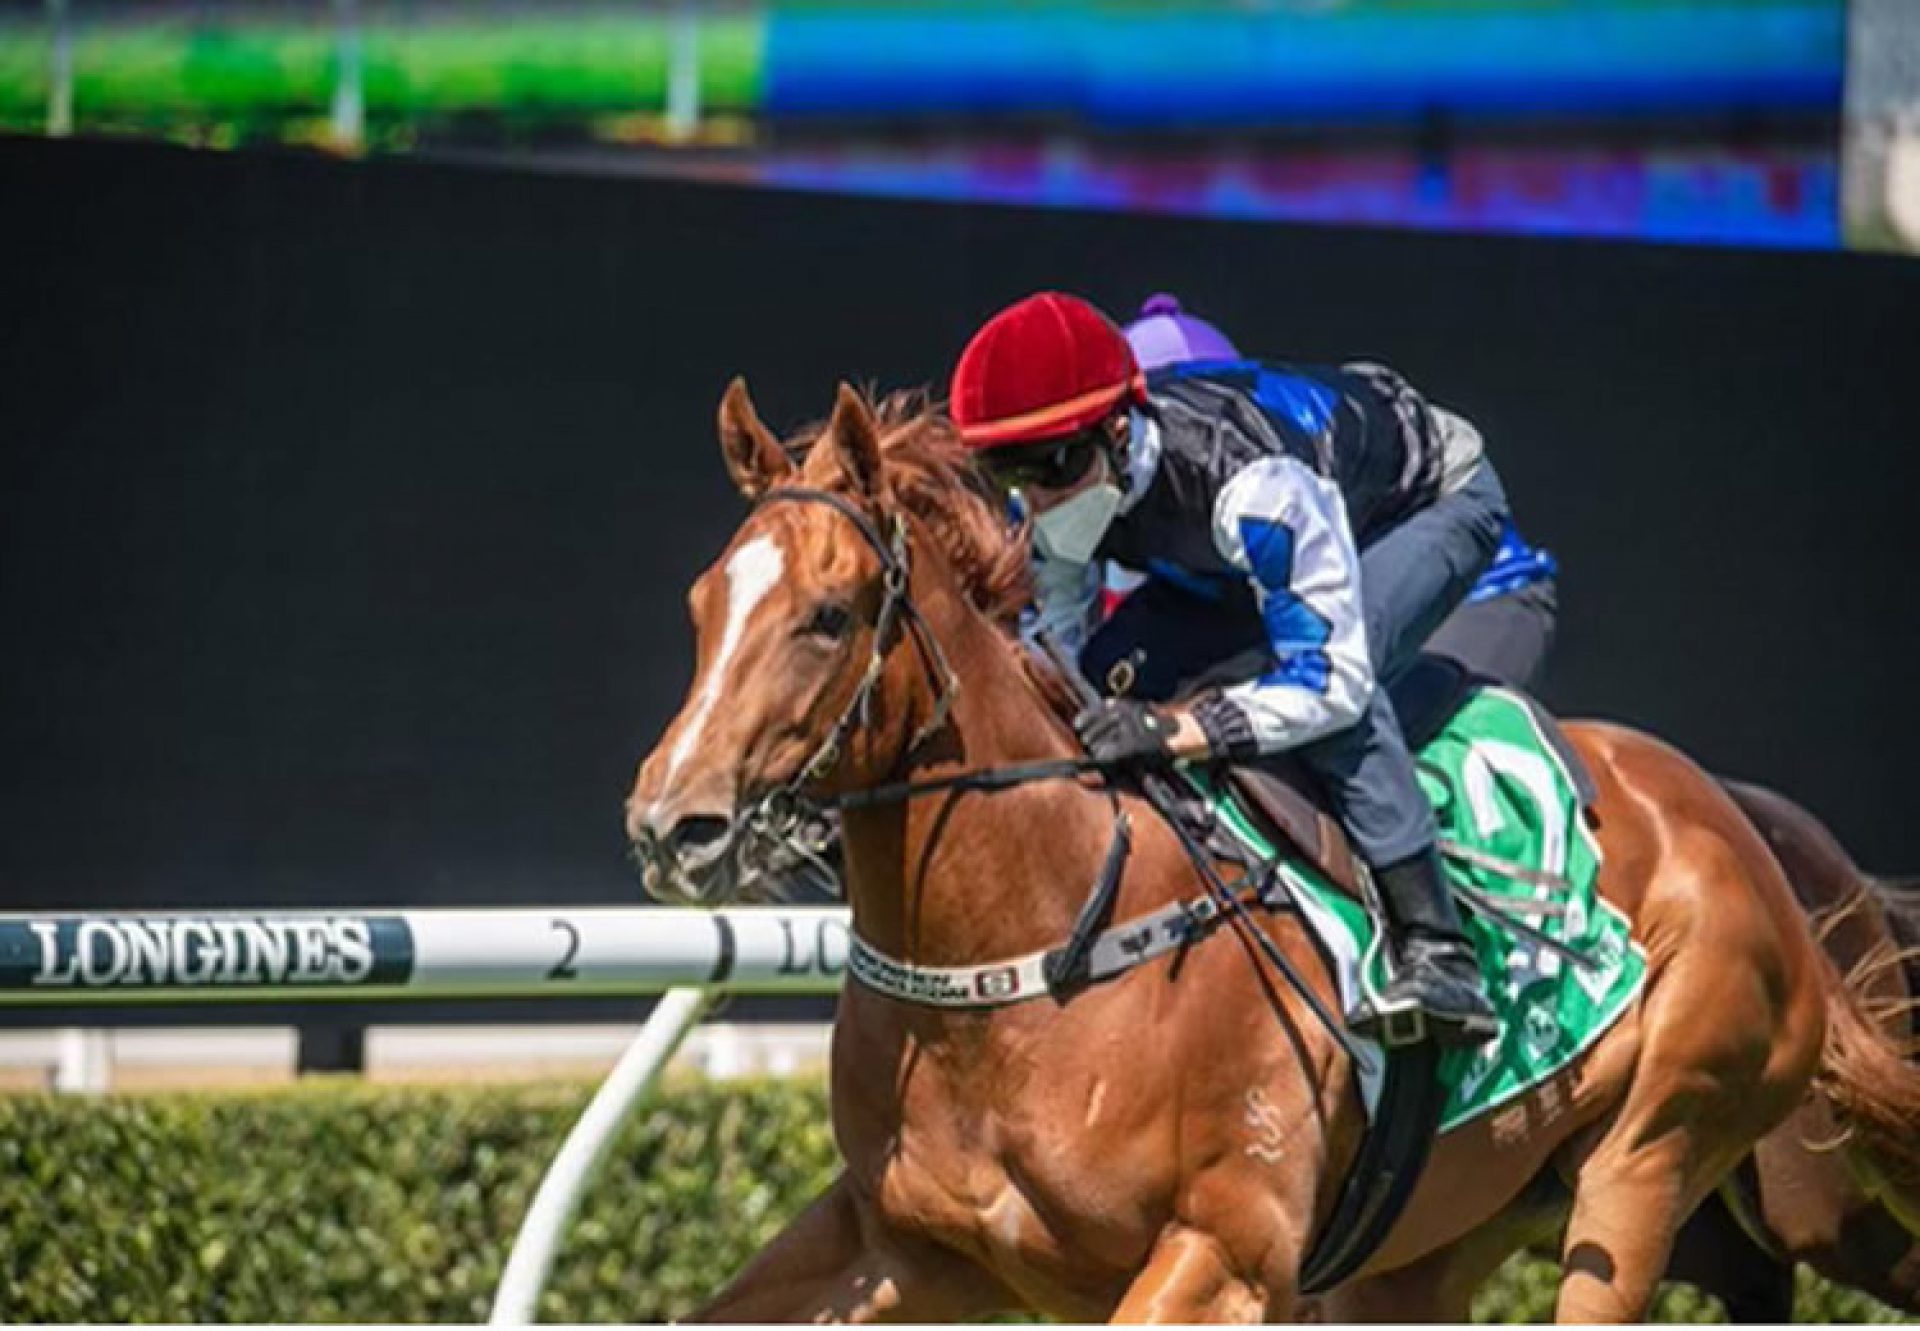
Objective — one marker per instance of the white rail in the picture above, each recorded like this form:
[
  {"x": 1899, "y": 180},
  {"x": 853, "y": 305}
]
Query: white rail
[
  {"x": 105, "y": 960},
  {"x": 553, "y": 1205},
  {"x": 223, "y": 956}
]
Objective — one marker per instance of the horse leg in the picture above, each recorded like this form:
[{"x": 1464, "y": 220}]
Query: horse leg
[
  {"x": 1716, "y": 1255},
  {"x": 828, "y": 1264},
  {"x": 1823, "y": 1215},
  {"x": 1189, "y": 1277},
  {"x": 1875, "y": 1255},
  {"x": 1634, "y": 1189},
  {"x": 1702, "y": 1093}
]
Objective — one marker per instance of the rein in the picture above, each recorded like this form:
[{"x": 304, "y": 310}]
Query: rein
[
  {"x": 982, "y": 778},
  {"x": 781, "y": 814}
]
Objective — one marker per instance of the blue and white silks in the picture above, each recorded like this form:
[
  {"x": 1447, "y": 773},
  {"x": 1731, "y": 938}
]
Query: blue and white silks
[{"x": 1286, "y": 529}]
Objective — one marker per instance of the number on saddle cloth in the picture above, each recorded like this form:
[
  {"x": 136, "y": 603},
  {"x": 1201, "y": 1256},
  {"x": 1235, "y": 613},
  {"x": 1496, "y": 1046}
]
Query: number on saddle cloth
[{"x": 1511, "y": 808}]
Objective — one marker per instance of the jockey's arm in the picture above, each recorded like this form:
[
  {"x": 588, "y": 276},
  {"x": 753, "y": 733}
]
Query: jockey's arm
[{"x": 1287, "y": 529}]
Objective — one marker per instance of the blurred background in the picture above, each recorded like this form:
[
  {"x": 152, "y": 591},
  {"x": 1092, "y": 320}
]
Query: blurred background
[{"x": 1731, "y": 121}]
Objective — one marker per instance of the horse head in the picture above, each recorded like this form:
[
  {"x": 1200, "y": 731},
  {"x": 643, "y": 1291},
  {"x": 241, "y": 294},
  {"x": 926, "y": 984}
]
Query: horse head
[{"x": 815, "y": 670}]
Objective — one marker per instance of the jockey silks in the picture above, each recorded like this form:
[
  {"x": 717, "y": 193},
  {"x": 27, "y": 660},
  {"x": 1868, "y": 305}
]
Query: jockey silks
[{"x": 1274, "y": 476}]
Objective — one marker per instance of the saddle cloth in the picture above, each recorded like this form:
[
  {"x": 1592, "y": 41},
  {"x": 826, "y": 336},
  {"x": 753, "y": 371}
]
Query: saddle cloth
[
  {"x": 1283, "y": 796},
  {"x": 1512, "y": 815}
]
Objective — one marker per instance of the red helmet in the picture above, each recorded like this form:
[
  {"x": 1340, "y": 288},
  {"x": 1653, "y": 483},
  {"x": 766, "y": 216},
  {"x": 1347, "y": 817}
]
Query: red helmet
[{"x": 1045, "y": 367}]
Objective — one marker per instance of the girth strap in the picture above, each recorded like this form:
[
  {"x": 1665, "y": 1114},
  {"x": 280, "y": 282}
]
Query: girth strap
[{"x": 1385, "y": 1170}]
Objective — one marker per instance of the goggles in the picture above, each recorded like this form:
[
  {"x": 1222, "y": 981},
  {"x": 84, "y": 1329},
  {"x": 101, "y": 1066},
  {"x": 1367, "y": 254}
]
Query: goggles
[{"x": 1054, "y": 465}]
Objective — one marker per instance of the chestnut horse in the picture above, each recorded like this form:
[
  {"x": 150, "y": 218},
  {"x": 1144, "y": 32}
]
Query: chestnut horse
[
  {"x": 1097, "y": 1157},
  {"x": 1796, "y": 1199}
]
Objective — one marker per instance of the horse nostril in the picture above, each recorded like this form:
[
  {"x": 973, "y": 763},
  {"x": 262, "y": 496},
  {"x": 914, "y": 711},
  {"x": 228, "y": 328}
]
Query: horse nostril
[
  {"x": 699, "y": 839},
  {"x": 643, "y": 853}
]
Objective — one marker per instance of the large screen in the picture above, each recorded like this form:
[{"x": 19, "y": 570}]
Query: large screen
[{"x": 1714, "y": 121}]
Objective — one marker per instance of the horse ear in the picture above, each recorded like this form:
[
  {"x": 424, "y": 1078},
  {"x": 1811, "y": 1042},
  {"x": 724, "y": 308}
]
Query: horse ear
[
  {"x": 856, "y": 439},
  {"x": 754, "y": 457}
]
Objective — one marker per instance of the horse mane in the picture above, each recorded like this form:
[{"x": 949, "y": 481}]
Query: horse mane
[{"x": 930, "y": 474}]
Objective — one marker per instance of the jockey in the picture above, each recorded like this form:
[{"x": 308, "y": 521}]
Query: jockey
[
  {"x": 1261, "y": 490},
  {"x": 1504, "y": 628}
]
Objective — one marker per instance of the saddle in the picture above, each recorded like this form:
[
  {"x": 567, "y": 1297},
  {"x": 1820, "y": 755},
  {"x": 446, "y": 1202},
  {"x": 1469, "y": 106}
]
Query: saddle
[
  {"x": 1410, "y": 1093},
  {"x": 1286, "y": 797}
]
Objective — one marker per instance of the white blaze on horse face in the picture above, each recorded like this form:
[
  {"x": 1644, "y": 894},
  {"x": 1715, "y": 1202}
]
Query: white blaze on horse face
[{"x": 751, "y": 573}]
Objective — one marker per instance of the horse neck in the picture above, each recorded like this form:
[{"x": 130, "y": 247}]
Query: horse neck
[{"x": 961, "y": 878}]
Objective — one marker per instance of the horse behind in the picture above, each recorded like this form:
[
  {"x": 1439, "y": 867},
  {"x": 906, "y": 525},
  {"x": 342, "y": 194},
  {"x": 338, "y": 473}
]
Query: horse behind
[
  {"x": 1167, "y": 1145},
  {"x": 1796, "y": 1199}
]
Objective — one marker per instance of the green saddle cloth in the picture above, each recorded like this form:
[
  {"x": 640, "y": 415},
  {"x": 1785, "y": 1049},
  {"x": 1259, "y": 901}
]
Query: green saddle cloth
[{"x": 1504, "y": 799}]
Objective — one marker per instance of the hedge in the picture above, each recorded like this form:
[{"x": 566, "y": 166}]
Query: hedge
[
  {"x": 339, "y": 1201},
  {"x": 347, "y": 1202}
]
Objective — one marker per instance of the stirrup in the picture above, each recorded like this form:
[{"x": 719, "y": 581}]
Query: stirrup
[{"x": 1399, "y": 1026}]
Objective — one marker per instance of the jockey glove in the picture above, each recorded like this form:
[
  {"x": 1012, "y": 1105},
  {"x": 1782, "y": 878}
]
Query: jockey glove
[{"x": 1120, "y": 733}]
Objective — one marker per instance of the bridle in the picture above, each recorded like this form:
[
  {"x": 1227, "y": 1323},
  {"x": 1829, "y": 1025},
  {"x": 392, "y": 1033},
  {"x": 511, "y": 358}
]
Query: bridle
[
  {"x": 787, "y": 819},
  {"x": 895, "y": 605}
]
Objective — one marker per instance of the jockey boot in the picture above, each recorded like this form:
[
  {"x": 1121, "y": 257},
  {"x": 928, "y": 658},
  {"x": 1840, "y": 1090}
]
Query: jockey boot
[{"x": 1437, "y": 974}]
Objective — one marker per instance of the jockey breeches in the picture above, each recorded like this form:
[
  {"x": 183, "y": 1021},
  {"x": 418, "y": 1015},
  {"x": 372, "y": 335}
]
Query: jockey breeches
[
  {"x": 1504, "y": 638},
  {"x": 1411, "y": 579}
]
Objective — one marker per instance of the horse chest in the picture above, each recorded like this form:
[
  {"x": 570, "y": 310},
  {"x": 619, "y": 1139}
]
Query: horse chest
[
  {"x": 1056, "y": 1262},
  {"x": 1036, "y": 1210},
  {"x": 1030, "y": 1158}
]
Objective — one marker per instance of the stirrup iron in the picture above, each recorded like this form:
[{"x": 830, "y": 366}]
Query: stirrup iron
[{"x": 1399, "y": 1026}]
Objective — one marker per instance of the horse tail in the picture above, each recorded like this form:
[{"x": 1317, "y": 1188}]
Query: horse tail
[
  {"x": 1900, "y": 899},
  {"x": 1867, "y": 1072}
]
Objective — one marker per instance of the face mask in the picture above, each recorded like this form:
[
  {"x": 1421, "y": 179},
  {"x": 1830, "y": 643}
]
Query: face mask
[{"x": 1071, "y": 531}]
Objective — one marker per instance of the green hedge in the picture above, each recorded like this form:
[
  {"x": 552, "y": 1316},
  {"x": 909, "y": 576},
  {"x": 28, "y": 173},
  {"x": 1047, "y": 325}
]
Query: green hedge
[{"x": 347, "y": 1202}]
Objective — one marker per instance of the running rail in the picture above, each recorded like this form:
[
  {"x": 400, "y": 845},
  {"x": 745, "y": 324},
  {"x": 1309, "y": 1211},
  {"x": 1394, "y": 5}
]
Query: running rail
[
  {"x": 279, "y": 956},
  {"x": 110, "y": 960}
]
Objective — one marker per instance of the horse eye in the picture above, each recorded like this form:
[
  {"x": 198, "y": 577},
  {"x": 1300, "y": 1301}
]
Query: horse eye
[{"x": 829, "y": 620}]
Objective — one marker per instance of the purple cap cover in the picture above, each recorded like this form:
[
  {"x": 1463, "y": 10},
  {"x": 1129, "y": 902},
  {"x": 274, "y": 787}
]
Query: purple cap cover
[{"x": 1164, "y": 335}]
